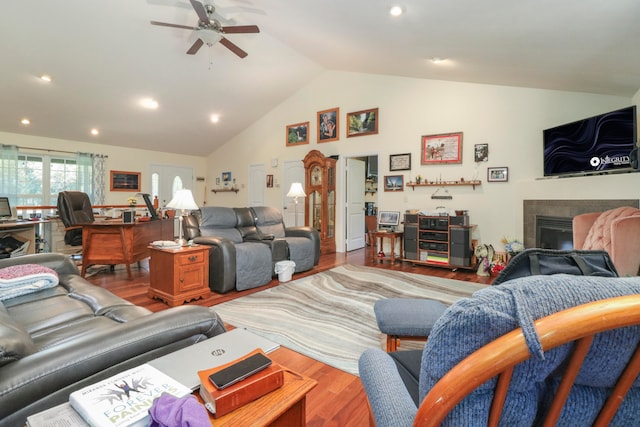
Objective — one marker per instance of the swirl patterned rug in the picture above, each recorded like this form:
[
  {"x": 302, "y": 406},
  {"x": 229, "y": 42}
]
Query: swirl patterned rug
[{"x": 329, "y": 316}]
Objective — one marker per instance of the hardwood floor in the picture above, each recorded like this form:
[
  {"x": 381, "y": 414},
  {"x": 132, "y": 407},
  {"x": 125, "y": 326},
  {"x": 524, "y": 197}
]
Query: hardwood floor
[{"x": 338, "y": 399}]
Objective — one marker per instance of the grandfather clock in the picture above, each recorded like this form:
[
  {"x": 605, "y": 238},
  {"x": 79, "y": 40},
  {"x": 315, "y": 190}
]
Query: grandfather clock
[{"x": 320, "y": 206}]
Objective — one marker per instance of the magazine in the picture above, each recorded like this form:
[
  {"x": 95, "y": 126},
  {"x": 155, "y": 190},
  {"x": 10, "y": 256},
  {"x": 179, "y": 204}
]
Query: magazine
[{"x": 125, "y": 398}]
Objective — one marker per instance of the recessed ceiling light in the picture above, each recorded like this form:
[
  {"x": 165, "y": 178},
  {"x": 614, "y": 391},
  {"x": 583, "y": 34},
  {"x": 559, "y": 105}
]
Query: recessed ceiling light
[
  {"x": 215, "y": 118},
  {"x": 94, "y": 131},
  {"x": 25, "y": 121},
  {"x": 46, "y": 78},
  {"x": 149, "y": 103},
  {"x": 396, "y": 10},
  {"x": 438, "y": 60}
]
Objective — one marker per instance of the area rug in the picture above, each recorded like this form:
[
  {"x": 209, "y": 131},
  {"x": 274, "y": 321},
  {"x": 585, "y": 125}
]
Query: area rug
[{"x": 329, "y": 316}]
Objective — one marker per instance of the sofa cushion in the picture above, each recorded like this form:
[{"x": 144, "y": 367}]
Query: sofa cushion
[
  {"x": 599, "y": 235},
  {"x": 22, "y": 279},
  {"x": 15, "y": 342},
  {"x": 491, "y": 312},
  {"x": 269, "y": 221},
  {"x": 253, "y": 265},
  {"x": 219, "y": 222}
]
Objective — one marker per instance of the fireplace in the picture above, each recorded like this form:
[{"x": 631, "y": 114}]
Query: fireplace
[
  {"x": 564, "y": 210},
  {"x": 554, "y": 232}
]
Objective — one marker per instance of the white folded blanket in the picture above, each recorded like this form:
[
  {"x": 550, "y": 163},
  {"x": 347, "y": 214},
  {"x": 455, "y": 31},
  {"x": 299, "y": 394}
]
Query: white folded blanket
[{"x": 22, "y": 279}]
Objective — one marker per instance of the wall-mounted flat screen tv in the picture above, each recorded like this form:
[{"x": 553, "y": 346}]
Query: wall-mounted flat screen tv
[{"x": 599, "y": 144}]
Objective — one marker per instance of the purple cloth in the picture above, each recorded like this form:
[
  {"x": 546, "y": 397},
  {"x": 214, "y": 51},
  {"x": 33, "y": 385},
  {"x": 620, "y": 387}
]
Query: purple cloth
[{"x": 171, "y": 411}]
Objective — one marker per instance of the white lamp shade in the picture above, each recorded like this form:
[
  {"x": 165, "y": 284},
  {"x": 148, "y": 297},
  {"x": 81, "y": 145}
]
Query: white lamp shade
[
  {"x": 183, "y": 199},
  {"x": 296, "y": 190}
]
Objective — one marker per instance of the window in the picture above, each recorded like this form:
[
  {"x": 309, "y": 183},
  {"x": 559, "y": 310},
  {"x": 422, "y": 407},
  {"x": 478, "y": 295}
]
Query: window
[{"x": 41, "y": 178}]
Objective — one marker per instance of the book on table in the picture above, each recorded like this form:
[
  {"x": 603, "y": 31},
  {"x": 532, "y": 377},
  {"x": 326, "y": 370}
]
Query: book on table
[
  {"x": 125, "y": 399},
  {"x": 221, "y": 402}
]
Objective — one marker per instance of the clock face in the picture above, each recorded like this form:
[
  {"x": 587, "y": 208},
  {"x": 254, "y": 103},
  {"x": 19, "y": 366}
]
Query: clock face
[{"x": 316, "y": 176}]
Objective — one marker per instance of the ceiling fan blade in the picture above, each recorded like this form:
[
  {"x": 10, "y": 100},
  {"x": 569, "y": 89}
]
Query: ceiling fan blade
[
  {"x": 236, "y": 29},
  {"x": 195, "y": 47},
  {"x": 199, "y": 8},
  {"x": 232, "y": 47},
  {"x": 164, "y": 24}
]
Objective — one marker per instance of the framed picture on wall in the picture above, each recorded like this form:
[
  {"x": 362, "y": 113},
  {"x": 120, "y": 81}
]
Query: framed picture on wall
[
  {"x": 363, "y": 122},
  {"x": 328, "y": 125},
  {"x": 394, "y": 183},
  {"x": 297, "y": 134},
  {"x": 124, "y": 181},
  {"x": 400, "y": 162},
  {"x": 498, "y": 174},
  {"x": 442, "y": 148}
]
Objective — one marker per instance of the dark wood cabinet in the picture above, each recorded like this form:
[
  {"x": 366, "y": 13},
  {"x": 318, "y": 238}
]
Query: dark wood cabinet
[{"x": 320, "y": 206}]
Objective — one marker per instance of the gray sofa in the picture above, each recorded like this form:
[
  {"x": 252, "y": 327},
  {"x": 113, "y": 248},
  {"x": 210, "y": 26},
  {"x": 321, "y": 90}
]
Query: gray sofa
[
  {"x": 58, "y": 339},
  {"x": 246, "y": 243}
]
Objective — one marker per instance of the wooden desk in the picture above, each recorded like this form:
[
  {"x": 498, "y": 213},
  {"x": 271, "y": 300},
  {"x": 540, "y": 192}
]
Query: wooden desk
[
  {"x": 378, "y": 236},
  {"x": 284, "y": 407},
  {"x": 114, "y": 242},
  {"x": 24, "y": 231}
]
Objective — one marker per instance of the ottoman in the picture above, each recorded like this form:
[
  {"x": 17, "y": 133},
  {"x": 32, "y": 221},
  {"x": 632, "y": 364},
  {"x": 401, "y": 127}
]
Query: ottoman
[{"x": 407, "y": 318}]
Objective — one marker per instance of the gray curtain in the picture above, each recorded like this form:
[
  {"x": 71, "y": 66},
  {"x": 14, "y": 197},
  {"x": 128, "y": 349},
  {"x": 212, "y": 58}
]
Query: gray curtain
[
  {"x": 91, "y": 176},
  {"x": 9, "y": 172}
]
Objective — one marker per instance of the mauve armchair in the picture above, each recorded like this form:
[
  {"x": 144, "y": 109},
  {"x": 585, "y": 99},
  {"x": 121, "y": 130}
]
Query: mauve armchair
[{"x": 616, "y": 231}]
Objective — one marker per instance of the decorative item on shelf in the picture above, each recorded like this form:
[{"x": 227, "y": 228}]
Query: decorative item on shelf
[
  {"x": 437, "y": 196},
  {"x": 132, "y": 201},
  {"x": 512, "y": 246},
  {"x": 296, "y": 191},
  {"x": 418, "y": 179},
  {"x": 183, "y": 200},
  {"x": 484, "y": 255}
]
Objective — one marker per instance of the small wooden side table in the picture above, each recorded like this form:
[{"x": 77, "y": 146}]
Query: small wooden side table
[
  {"x": 179, "y": 275},
  {"x": 377, "y": 236},
  {"x": 284, "y": 407}
]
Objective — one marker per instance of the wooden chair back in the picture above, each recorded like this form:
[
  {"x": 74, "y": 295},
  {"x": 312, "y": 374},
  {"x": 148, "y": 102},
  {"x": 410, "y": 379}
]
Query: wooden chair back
[{"x": 497, "y": 359}]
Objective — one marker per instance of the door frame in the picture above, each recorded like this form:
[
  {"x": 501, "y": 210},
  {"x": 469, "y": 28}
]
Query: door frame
[{"x": 341, "y": 189}]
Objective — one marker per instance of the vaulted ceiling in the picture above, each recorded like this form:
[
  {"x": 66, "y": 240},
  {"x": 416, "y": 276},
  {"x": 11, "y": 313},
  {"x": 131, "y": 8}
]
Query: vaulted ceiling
[{"x": 105, "y": 56}]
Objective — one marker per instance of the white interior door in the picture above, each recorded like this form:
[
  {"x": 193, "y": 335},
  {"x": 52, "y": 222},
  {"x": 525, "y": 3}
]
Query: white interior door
[
  {"x": 355, "y": 204},
  {"x": 257, "y": 184},
  {"x": 292, "y": 171}
]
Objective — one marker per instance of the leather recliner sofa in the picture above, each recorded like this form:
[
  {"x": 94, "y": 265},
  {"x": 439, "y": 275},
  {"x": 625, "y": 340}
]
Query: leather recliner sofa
[
  {"x": 57, "y": 340},
  {"x": 246, "y": 243}
]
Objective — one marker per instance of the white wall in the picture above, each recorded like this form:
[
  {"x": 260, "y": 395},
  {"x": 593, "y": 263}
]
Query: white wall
[
  {"x": 120, "y": 158},
  {"x": 509, "y": 119}
]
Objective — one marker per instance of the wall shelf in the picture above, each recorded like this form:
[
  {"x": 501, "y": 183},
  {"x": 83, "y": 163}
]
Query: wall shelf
[
  {"x": 444, "y": 184},
  {"x": 224, "y": 190}
]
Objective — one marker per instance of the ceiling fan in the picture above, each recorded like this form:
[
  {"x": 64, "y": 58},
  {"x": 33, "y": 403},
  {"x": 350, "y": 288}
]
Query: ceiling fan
[{"x": 212, "y": 30}]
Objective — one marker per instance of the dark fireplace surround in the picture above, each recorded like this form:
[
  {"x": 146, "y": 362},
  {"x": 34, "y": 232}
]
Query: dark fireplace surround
[{"x": 556, "y": 215}]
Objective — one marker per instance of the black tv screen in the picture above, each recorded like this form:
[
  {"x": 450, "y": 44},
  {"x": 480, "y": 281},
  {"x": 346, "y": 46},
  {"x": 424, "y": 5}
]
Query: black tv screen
[{"x": 599, "y": 144}]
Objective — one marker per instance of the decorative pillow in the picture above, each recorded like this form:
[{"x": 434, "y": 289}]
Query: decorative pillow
[
  {"x": 599, "y": 236},
  {"x": 22, "y": 279}
]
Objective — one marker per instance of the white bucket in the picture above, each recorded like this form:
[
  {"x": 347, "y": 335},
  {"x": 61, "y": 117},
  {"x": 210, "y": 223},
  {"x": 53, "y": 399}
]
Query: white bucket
[{"x": 284, "y": 270}]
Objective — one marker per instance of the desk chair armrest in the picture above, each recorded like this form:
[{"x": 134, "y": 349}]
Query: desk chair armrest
[{"x": 388, "y": 397}]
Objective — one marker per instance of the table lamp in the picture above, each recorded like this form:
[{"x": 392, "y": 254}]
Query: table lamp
[
  {"x": 183, "y": 200},
  {"x": 296, "y": 191}
]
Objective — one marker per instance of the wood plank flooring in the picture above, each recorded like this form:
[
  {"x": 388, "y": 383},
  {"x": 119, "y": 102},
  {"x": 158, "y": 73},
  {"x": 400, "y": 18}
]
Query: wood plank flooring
[{"x": 338, "y": 399}]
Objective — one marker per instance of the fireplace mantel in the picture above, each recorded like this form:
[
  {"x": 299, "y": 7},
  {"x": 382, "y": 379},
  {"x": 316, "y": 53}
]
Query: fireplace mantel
[{"x": 563, "y": 209}]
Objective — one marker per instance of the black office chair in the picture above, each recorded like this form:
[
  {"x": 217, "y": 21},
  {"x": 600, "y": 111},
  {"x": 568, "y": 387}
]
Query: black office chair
[{"x": 74, "y": 208}]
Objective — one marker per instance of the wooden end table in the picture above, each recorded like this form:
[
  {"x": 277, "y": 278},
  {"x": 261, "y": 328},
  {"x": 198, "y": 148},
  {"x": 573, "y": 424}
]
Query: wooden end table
[
  {"x": 283, "y": 407},
  {"x": 376, "y": 237},
  {"x": 179, "y": 275}
]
